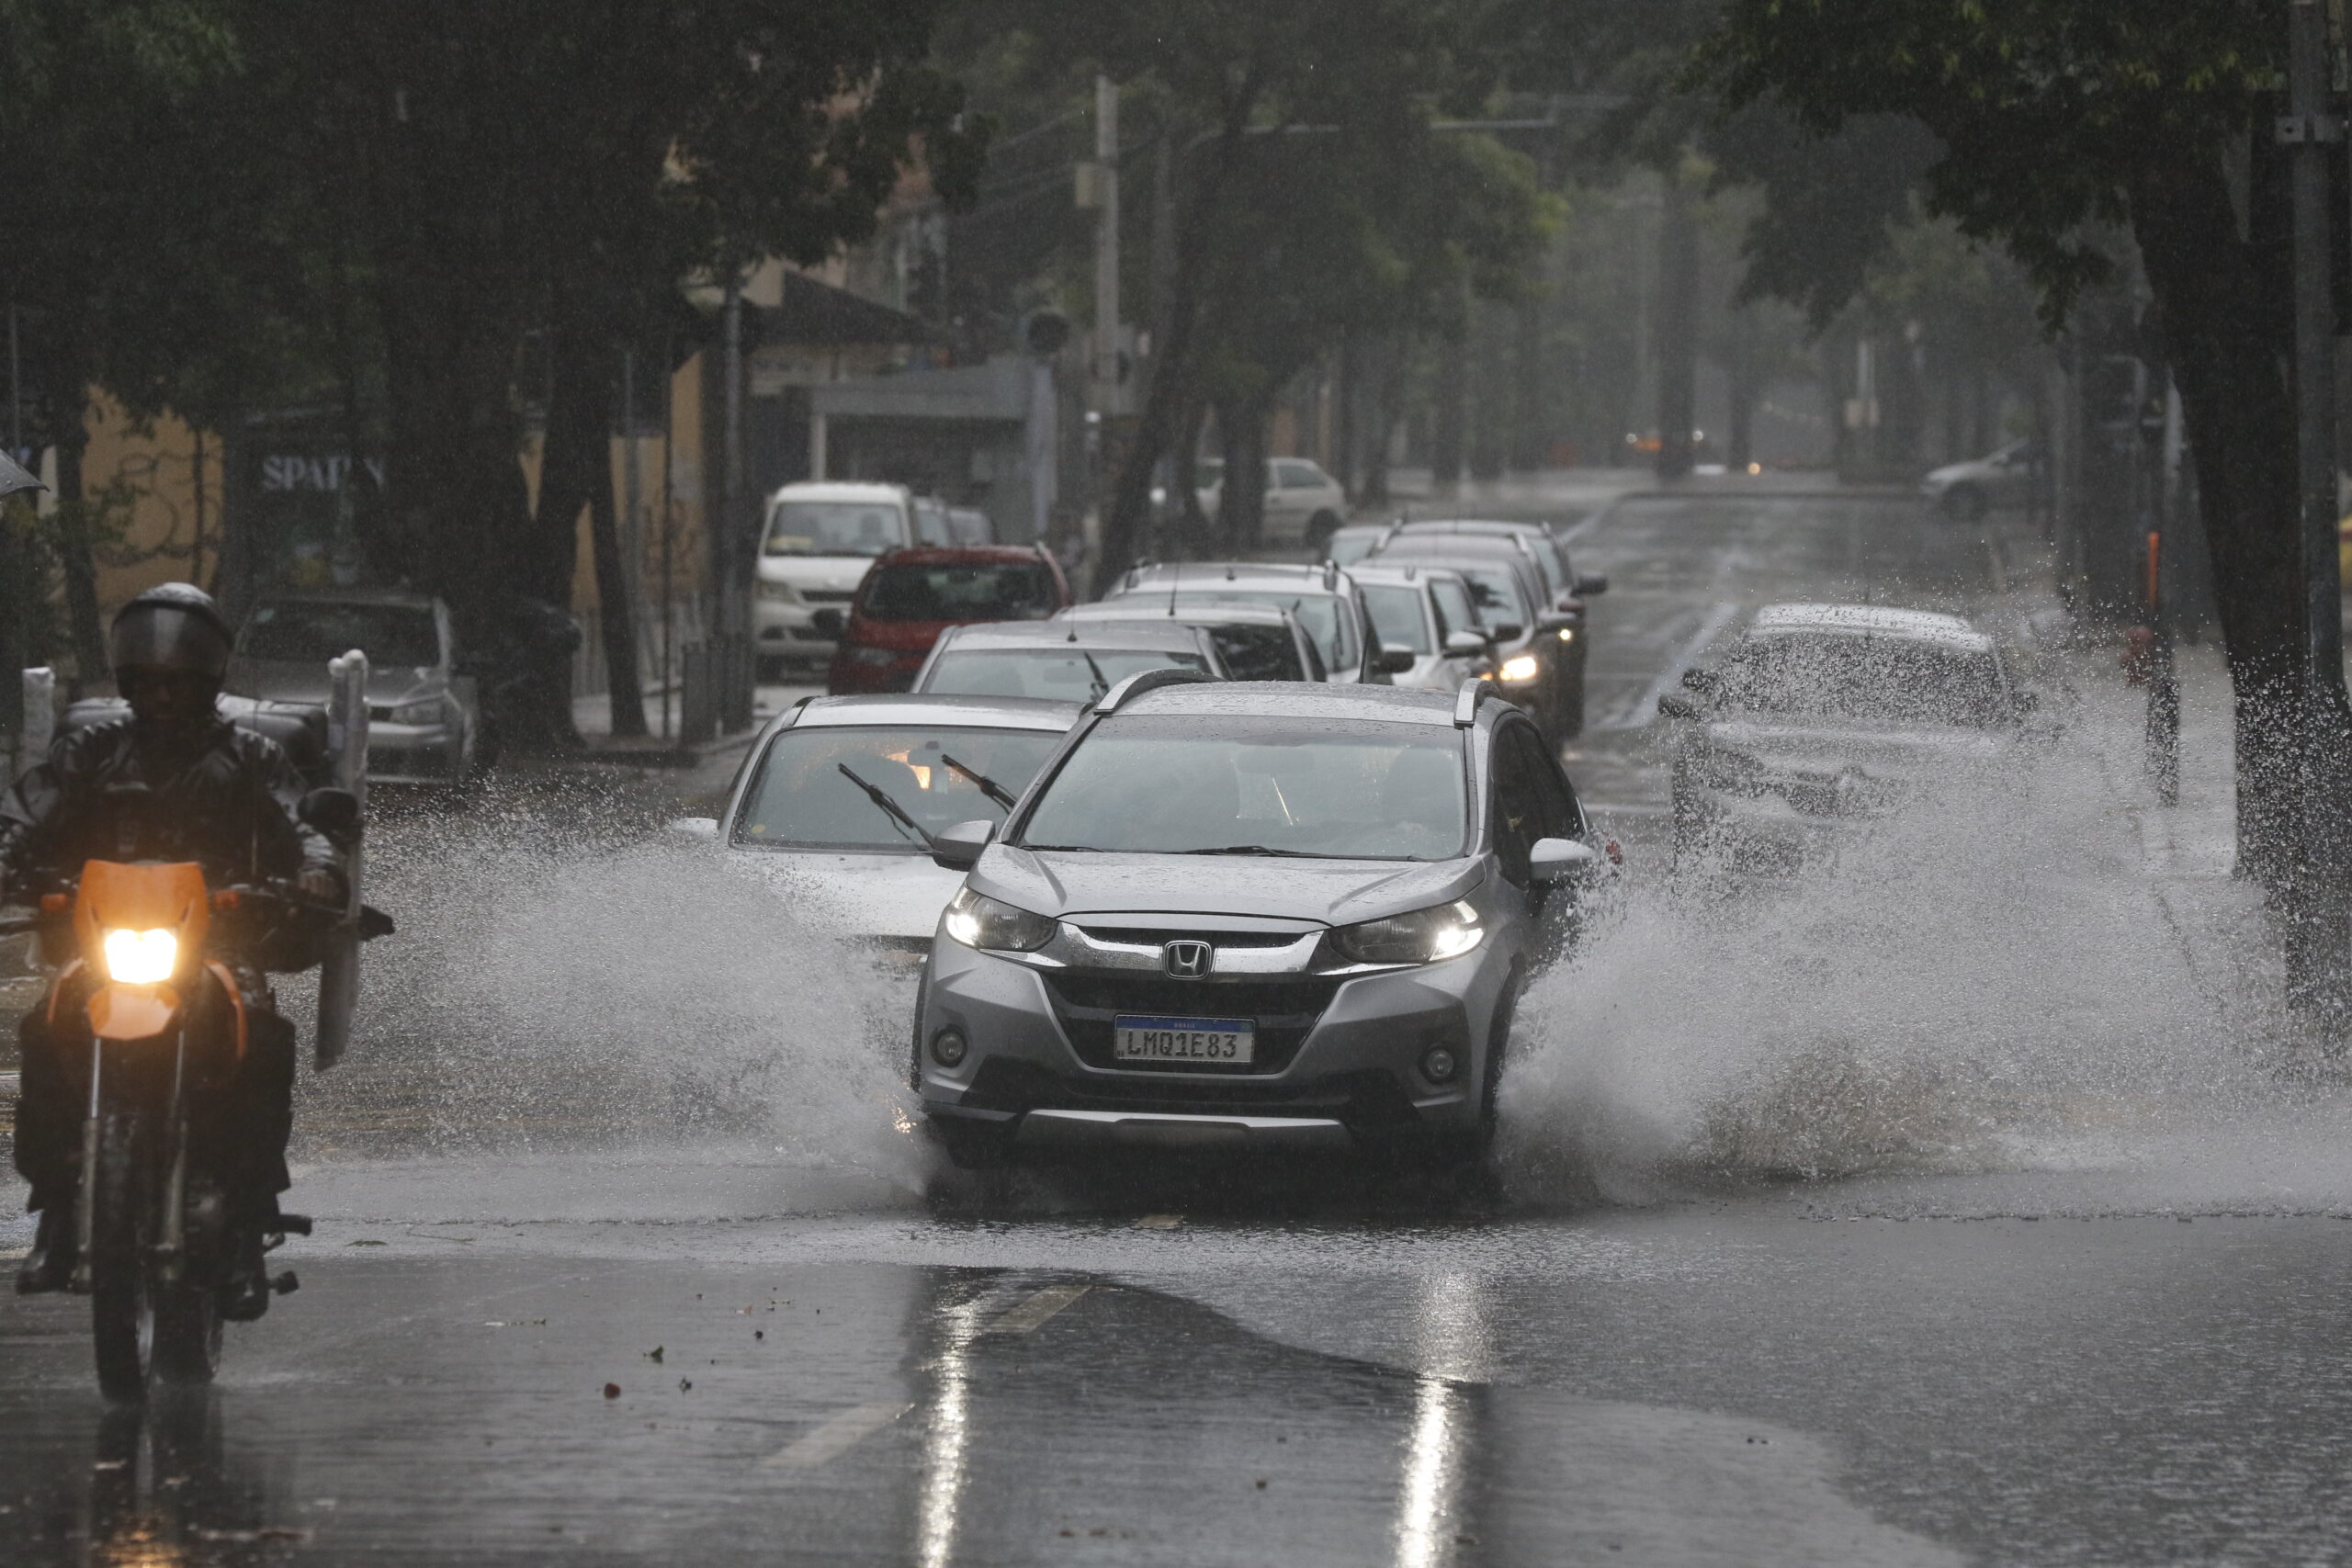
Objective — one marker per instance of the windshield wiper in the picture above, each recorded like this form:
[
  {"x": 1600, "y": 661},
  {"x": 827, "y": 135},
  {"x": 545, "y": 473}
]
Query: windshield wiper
[
  {"x": 988, "y": 786},
  {"x": 1101, "y": 685},
  {"x": 1257, "y": 850},
  {"x": 897, "y": 812},
  {"x": 1066, "y": 848}
]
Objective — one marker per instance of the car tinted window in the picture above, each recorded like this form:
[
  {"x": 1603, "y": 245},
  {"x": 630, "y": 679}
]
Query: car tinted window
[
  {"x": 1168, "y": 785},
  {"x": 1844, "y": 676},
  {"x": 1008, "y": 590},
  {"x": 1323, "y": 615},
  {"x": 1555, "y": 809},
  {"x": 1064, "y": 674},
  {"x": 1454, "y": 611},
  {"x": 1499, "y": 595},
  {"x": 312, "y": 632},
  {"x": 1518, "y": 804},
  {"x": 1260, "y": 653},
  {"x": 1396, "y": 616},
  {"x": 799, "y": 797},
  {"x": 1297, "y": 476},
  {"x": 932, "y": 526},
  {"x": 835, "y": 528}
]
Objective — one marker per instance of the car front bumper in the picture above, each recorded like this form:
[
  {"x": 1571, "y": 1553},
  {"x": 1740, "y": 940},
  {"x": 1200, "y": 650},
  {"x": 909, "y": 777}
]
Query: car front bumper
[
  {"x": 416, "y": 753},
  {"x": 1037, "y": 1062},
  {"x": 784, "y": 628}
]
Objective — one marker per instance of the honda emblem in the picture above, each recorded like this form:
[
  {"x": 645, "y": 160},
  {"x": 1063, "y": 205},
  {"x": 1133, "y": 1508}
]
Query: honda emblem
[{"x": 1187, "y": 959}]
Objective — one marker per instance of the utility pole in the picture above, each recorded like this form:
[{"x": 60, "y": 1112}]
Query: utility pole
[
  {"x": 2319, "y": 925},
  {"x": 733, "y": 611},
  {"x": 1106, "y": 248}
]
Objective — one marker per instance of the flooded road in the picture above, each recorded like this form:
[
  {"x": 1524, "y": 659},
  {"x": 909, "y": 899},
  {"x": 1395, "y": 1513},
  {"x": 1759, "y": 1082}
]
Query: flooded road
[{"x": 1956, "y": 1208}]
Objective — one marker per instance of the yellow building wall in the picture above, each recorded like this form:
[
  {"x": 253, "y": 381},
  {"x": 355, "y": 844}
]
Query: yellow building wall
[{"x": 162, "y": 514}]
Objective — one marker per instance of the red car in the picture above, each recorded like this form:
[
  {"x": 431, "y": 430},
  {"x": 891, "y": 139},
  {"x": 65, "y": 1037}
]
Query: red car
[{"x": 909, "y": 597}]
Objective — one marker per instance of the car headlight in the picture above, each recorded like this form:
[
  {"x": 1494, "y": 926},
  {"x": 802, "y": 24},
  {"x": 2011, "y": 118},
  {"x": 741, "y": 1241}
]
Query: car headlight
[
  {"x": 142, "y": 958},
  {"x": 1425, "y": 936},
  {"x": 977, "y": 921},
  {"x": 1567, "y": 634},
  {"x": 875, "y": 656},
  {"x": 778, "y": 593},
  {"x": 1520, "y": 667}
]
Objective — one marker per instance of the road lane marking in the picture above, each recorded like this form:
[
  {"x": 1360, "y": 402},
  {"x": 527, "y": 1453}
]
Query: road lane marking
[
  {"x": 1035, "y": 1311},
  {"x": 1160, "y": 1222},
  {"x": 836, "y": 1434},
  {"x": 1645, "y": 708}
]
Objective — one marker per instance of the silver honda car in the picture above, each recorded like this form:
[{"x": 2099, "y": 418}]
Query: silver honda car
[{"x": 1257, "y": 914}]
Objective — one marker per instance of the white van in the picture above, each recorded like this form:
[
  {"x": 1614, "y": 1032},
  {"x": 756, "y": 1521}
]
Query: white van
[{"x": 815, "y": 543}]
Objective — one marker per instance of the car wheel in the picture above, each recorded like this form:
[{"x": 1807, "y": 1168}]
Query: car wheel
[
  {"x": 1964, "y": 504},
  {"x": 973, "y": 1145},
  {"x": 1320, "y": 529},
  {"x": 769, "y": 671}
]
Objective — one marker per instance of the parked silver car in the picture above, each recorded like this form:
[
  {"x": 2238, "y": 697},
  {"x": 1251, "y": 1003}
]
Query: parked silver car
[
  {"x": 1969, "y": 490},
  {"x": 1425, "y": 617},
  {"x": 1276, "y": 915},
  {"x": 1323, "y": 597},
  {"x": 1059, "y": 660},
  {"x": 425, "y": 723}
]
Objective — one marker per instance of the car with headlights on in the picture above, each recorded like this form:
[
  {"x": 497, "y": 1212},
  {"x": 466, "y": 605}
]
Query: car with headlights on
[
  {"x": 1257, "y": 642},
  {"x": 842, "y": 798},
  {"x": 1324, "y": 598},
  {"x": 1282, "y": 917},
  {"x": 1538, "y": 648},
  {"x": 1060, "y": 660},
  {"x": 1426, "y": 618},
  {"x": 425, "y": 722},
  {"x": 1820, "y": 719}
]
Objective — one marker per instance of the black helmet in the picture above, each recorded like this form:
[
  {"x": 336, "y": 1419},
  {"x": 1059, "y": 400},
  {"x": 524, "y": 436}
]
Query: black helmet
[{"x": 174, "y": 626}]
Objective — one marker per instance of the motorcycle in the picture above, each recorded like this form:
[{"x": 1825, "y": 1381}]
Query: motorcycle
[{"x": 144, "y": 945}]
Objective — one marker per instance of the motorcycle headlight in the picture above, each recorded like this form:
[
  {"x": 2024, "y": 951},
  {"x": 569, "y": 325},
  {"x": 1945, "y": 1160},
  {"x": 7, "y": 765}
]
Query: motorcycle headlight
[
  {"x": 778, "y": 593},
  {"x": 977, "y": 921},
  {"x": 1425, "y": 936},
  {"x": 1522, "y": 667},
  {"x": 142, "y": 958}
]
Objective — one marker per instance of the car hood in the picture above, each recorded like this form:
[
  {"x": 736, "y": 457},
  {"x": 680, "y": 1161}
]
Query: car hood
[
  {"x": 280, "y": 682},
  {"x": 1331, "y": 892},
  {"x": 862, "y": 896},
  {"x": 839, "y": 573},
  {"x": 1886, "y": 750}
]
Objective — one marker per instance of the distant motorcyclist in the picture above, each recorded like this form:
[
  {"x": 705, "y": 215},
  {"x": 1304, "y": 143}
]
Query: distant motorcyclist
[{"x": 172, "y": 782}]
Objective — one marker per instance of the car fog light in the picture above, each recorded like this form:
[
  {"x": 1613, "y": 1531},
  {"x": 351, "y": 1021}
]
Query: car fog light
[
  {"x": 1521, "y": 667},
  {"x": 1438, "y": 1064},
  {"x": 947, "y": 1047}
]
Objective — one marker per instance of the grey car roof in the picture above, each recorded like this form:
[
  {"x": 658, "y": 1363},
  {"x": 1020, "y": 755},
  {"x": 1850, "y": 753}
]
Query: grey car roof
[
  {"x": 904, "y": 708},
  {"x": 1415, "y": 572},
  {"x": 1214, "y": 572},
  {"x": 1442, "y": 541},
  {"x": 1869, "y": 620},
  {"x": 1139, "y": 633},
  {"x": 1296, "y": 699},
  {"x": 1149, "y": 607}
]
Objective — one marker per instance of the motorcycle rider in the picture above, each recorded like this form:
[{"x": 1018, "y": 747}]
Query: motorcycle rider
[{"x": 172, "y": 782}]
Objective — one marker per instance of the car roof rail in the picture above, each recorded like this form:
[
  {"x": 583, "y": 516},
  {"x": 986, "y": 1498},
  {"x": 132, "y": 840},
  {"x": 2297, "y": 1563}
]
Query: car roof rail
[
  {"x": 1475, "y": 691},
  {"x": 1144, "y": 681}
]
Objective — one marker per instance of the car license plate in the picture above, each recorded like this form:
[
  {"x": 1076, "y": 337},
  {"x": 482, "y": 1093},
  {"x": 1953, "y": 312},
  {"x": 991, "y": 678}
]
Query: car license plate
[{"x": 1223, "y": 1041}]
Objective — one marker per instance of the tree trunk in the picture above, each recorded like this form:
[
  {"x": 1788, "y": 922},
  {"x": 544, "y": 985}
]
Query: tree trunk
[
  {"x": 1446, "y": 422},
  {"x": 1242, "y": 504},
  {"x": 1491, "y": 392},
  {"x": 74, "y": 546},
  {"x": 1388, "y": 383},
  {"x": 1343, "y": 445},
  {"x": 1678, "y": 330},
  {"x": 1193, "y": 526},
  {"x": 2227, "y": 337},
  {"x": 617, "y": 617}
]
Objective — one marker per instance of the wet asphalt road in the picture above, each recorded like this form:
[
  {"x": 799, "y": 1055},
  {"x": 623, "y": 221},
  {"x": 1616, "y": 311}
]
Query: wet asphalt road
[{"x": 543, "y": 1345}]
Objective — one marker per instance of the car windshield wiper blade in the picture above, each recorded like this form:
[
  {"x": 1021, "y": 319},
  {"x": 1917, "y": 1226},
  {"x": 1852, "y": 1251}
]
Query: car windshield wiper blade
[
  {"x": 988, "y": 785},
  {"x": 1065, "y": 849},
  {"x": 1257, "y": 850},
  {"x": 1101, "y": 684},
  {"x": 897, "y": 812}
]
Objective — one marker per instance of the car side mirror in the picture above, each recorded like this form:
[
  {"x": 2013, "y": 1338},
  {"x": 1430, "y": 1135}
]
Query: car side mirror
[
  {"x": 1396, "y": 659},
  {"x": 1551, "y": 624},
  {"x": 1508, "y": 631},
  {"x": 334, "y": 812},
  {"x": 1556, "y": 859},
  {"x": 705, "y": 828},
  {"x": 1591, "y": 583},
  {"x": 1671, "y": 706},
  {"x": 959, "y": 847},
  {"x": 1464, "y": 644}
]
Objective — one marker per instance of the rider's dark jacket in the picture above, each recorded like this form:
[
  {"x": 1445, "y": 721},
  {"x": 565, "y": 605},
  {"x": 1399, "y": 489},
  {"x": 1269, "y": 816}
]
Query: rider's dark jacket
[{"x": 223, "y": 797}]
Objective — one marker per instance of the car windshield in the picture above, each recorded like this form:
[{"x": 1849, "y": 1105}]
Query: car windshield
[
  {"x": 835, "y": 528},
  {"x": 1322, "y": 614},
  {"x": 1396, "y": 616},
  {"x": 1496, "y": 588},
  {"x": 800, "y": 799},
  {"x": 311, "y": 632},
  {"x": 1066, "y": 675},
  {"x": 987, "y": 591},
  {"x": 1260, "y": 653},
  {"x": 1188, "y": 785},
  {"x": 1843, "y": 675}
]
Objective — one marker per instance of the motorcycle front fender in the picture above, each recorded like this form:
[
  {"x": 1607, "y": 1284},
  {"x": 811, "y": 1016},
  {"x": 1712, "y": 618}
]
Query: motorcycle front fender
[{"x": 124, "y": 1013}]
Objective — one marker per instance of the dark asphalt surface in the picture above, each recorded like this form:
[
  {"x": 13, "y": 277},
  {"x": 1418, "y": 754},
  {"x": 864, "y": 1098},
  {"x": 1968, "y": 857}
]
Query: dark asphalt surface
[{"x": 2027, "y": 1360}]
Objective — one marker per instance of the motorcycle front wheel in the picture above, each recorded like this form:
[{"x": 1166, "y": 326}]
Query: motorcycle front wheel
[{"x": 122, "y": 1297}]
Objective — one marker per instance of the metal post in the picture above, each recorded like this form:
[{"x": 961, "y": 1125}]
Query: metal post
[
  {"x": 728, "y": 537},
  {"x": 339, "y": 966},
  {"x": 2319, "y": 944},
  {"x": 1106, "y": 247},
  {"x": 669, "y": 503}
]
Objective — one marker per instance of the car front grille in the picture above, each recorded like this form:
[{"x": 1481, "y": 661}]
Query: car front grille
[
  {"x": 1283, "y": 1011},
  {"x": 829, "y": 595}
]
